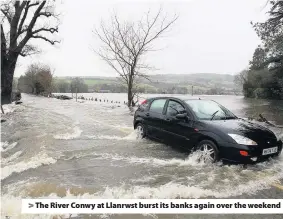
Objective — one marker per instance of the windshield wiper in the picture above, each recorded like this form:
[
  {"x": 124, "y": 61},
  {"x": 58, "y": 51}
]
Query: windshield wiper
[
  {"x": 229, "y": 117},
  {"x": 212, "y": 116}
]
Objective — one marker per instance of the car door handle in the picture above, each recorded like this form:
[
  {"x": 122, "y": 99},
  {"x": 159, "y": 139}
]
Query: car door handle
[
  {"x": 147, "y": 114},
  {"x": 168, "y": 120}
]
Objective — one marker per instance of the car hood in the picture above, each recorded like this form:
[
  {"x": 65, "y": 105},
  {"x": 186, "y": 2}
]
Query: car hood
[{"x": 242, "y": 127}]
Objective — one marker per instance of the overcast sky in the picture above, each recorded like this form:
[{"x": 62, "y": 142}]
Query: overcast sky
[{"x": 210, "y": 36}]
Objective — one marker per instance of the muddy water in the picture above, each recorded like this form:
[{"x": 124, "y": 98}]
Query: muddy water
[{"x": 55, "y": 148}]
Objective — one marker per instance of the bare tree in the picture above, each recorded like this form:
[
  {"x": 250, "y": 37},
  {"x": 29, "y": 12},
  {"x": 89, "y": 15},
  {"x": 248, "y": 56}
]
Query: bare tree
[
  {"x": 241, "y": 77},
  {"x": 125, "y": 43},
  {"x": 23, "y": 21}
]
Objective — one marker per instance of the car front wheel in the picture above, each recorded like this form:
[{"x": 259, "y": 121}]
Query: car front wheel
[
  {"x": 140, "y": 130},
  {"x": 208, "y": 151}
]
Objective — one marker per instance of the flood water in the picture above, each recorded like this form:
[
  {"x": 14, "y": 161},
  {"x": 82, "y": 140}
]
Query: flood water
[{"x": 63, "y": 148}]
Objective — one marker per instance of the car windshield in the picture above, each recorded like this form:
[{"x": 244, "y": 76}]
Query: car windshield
[{"x": 209, "y": 110}]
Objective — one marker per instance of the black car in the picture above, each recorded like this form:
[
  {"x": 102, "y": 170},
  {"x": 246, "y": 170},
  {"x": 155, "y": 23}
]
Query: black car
[{"x": 206, "y": 126}]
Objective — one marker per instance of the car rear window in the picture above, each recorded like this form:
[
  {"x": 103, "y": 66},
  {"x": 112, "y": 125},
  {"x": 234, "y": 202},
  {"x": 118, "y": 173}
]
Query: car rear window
[
  {"x": 144, "y": 104},
  {"x": 157, "y": 106}
]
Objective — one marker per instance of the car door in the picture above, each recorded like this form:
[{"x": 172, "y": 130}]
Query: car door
[
  {"x": 178, "y": 131},
  {"x": 155, "y": 117}
]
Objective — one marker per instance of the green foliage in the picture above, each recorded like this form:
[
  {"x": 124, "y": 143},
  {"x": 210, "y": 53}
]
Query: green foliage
[
  {"x": 70, "y": 85},
  {"x": 241, "y": 78},
  {"x": 37, "y": 80},
  {"x": 62, "y": 86},
  {"x": 78, "y": 85},
  {"x": 259, "y": 57},
  {"x": 265, "y": 75},
  {"x": 90, "y": 81},
  {"x": 260, "y": 93}
]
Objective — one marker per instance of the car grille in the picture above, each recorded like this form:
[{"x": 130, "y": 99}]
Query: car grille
[{"x": 267, "y": 142}]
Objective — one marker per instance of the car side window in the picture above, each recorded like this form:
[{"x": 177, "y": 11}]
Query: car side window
[
  {"x": 157, "y": 106},
  {"x": 174, "y": 108}
]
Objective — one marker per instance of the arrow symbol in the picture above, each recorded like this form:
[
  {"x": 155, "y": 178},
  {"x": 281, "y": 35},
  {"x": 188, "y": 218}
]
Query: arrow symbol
[{"x": 30, "y": 205}]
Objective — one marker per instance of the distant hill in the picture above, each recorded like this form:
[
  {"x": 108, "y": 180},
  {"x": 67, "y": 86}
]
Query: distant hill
[
  {"x": 203, "y": 83},
  {"x": 198, "y": 79}
]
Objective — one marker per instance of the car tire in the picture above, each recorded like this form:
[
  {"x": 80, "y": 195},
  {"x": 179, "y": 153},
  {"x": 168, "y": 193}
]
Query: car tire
[
  {"x": 208, "y": 151},
  {"x": 140, "y": 130}
]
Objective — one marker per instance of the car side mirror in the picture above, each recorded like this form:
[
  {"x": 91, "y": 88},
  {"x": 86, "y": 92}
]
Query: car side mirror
[{"x": 181, "y": 116}]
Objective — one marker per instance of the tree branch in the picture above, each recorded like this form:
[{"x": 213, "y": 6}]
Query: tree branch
[
  {"x": 52, "y": 42},
  {"x": 46, "y": 14},
  {"x": 51, "y": 30},
  {"x": 27, "y": 7},
  {"x": 159, "y": 32},
  {"x": 6, "y": 14},
  {"x": 30, "y": 33}
]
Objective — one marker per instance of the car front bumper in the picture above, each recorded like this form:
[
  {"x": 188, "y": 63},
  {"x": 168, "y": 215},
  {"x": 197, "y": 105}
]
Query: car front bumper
[{"x": 232, "y": 152}]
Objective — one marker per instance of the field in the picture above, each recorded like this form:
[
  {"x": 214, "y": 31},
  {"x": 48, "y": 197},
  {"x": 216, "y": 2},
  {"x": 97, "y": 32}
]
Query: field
[{"x": 203, "y": 83}]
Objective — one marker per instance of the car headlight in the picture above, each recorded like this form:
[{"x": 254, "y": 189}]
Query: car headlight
[{"x": 242, "y": 140}]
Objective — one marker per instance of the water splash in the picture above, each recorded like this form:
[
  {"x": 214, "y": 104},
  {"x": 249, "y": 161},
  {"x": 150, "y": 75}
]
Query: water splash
[
  {"x": 75, "y": 133},
  {"x": 9, "y": 108},
  {"x": 131, "y": 137},
  {"x": 5, "y": 146},
  {"x": 11, "y": 158},
  {"x": 191, "y": 160},
  {"x": 32, "y": 163}
]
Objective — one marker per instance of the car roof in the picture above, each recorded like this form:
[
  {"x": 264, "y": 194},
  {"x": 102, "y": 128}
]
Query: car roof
[
  {"x": 177, "y": 98},
  {"x": 195, "y": 99}
]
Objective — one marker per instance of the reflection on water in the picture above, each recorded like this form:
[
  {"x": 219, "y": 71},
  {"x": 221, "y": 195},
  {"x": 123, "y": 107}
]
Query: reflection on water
[{"x": 56, "y": 148}]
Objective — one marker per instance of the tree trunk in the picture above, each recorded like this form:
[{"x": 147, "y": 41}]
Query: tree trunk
[
  {"x": 7, "y": 74},
  {"x": 130, "y": 94},
  {"x": 130, "y": 91},
  {"x": 8, "y": 65}
]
